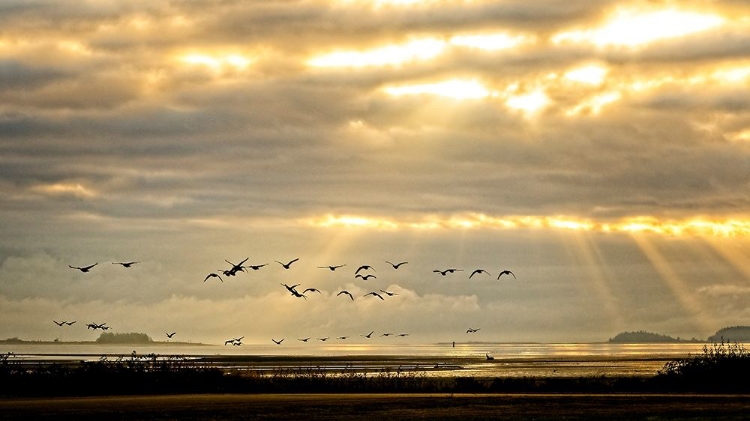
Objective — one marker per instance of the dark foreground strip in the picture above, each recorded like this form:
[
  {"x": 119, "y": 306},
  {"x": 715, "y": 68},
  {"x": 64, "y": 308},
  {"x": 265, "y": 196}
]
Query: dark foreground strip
[{"x": 383, "y": 407}]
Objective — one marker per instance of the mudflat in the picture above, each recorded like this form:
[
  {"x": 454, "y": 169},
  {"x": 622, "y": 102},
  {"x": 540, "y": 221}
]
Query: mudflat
[{"x": 382, "y": 407}]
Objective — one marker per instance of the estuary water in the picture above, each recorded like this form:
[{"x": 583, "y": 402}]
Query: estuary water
[{"x": 435, "y": 359}]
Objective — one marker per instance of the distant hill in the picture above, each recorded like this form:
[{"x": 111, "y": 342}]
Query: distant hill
[
  {"x": 731, "y": 334},
  {"x": 642, "y": 336},
  {"x": 124, "y": 338}
]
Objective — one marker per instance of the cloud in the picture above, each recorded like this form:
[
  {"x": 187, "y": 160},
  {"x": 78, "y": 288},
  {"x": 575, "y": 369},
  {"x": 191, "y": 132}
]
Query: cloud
[{"x": 184, "y": 133}]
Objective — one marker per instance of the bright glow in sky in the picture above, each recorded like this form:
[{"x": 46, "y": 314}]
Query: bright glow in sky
[
  {"x": 633, "y": 28},
  {"x": 489, "y": 42},
  {"x": 529, "y": 103},
  {"x": 734, "y": 227},
  {"x": 453, "y": 88},
  {"x": 421, "y": 49},
  {"x": 216, "y": 62},
  {"x": 591, "y": 74}
]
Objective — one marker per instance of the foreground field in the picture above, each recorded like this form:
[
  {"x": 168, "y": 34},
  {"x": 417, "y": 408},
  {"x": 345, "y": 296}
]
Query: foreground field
[{"x": 383, "y": 407}]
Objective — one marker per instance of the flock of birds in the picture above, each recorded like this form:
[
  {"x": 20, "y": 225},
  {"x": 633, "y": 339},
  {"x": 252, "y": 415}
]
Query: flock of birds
[{"x": 362, "y": 272}]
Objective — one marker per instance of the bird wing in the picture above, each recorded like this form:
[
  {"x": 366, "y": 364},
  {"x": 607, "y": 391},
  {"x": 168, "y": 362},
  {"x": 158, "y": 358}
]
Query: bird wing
[{"x": 90, "y": 266}]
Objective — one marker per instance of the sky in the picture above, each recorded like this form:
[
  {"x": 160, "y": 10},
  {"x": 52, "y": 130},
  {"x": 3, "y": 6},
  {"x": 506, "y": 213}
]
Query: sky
[{"x": 598, "y": 150}]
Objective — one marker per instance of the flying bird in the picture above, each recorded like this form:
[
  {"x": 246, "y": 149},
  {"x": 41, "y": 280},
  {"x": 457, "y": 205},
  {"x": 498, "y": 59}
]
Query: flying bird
[
  {"x": 447, "y": 271},
  {"x": 256, "y": 267},
  {"x": 227, "y": 272},
  {"x": 238, "y": 267},
  {"x": 369, "y": 335},
  {"x": 342, "y": 337},
  {"x": 332, "y": 268},
  {"x": 323, "y": 339},
  {"x": 364, "y": 267},
  {"x": 479, "y": 271},
  {"x": 212, "y": 275},
  {"x": 472, "y": 330},
  {"x": 70, "y": 323},
  {"x": 347, "y": 293},
  {"x": 388, "y": 293},
  {"x": 234, "y": 341},
  {"x": 386, "y": 334},
  {"x": 85, "y": 268},
  {"x": 292, "y": 288},
  {"x": 402, "y": 334},
  {"x": 365, "y": 277},
  {"x": 311, "y": 290},
  {"x": 374, "y": 294},
  {"x": 169, "y": 335},
  {"x": 277, "y": 342},
  {"x": 304, "y": 339},
  {"x": 396, "y": 265},
  {"x": 125, "y": 264},
  {"x": 287, "y": 265},
  {"x": 506, "y": 272},
  {"x": 59, "y": 323}
]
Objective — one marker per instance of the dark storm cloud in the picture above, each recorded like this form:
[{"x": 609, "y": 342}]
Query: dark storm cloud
[{"x": 15, "y": 75}]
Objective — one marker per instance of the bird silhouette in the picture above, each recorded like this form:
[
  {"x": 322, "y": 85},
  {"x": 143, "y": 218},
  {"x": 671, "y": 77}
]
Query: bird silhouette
[
  {"x": 277, "y": 342},
  {"x": 287, "y": 265},
  {"x": 396, "y": 265},
  {"x": 369, "y": 335},
  {"x": 388, "y": 293},
  {"x": 472, "y": 330},
  {"x": 234, "y": 341},
  {"x": 386, "y": 334},
  {"x": 291, "y": 288},
  {"x": 212, "y": 275},
  {"x": 304, "y": 339},
  {"x": 364, "y": 267},
  {"x": 477, "y": 271},
  {"x": 332, "y": 268},
  {"x": 227, "y": 272},
  {"x": 169, "y": 335},
  {"x": 70, "y": 323},
  {"x": 125, "y": 264},
  {"x": 85, "y": 268},
  {"x": 102, "y": 327},
  {"x": 312, "y": 290},
  {"x": 347, "y": 293},
  {"x": 342, "y": 337},
  {"x": 374, "y": 294},
  {"x": 238, "y": 267},
  {"x": 506, "y": 272},
  {"x": 365, "y": 277},
  {"x": 402, "y": 334},
  {"x": 447, "y": 271},
  {"x": 323, "y": 339},
  {"x": 59, "y": 323},
  {"x": 256, "y": 267}
]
